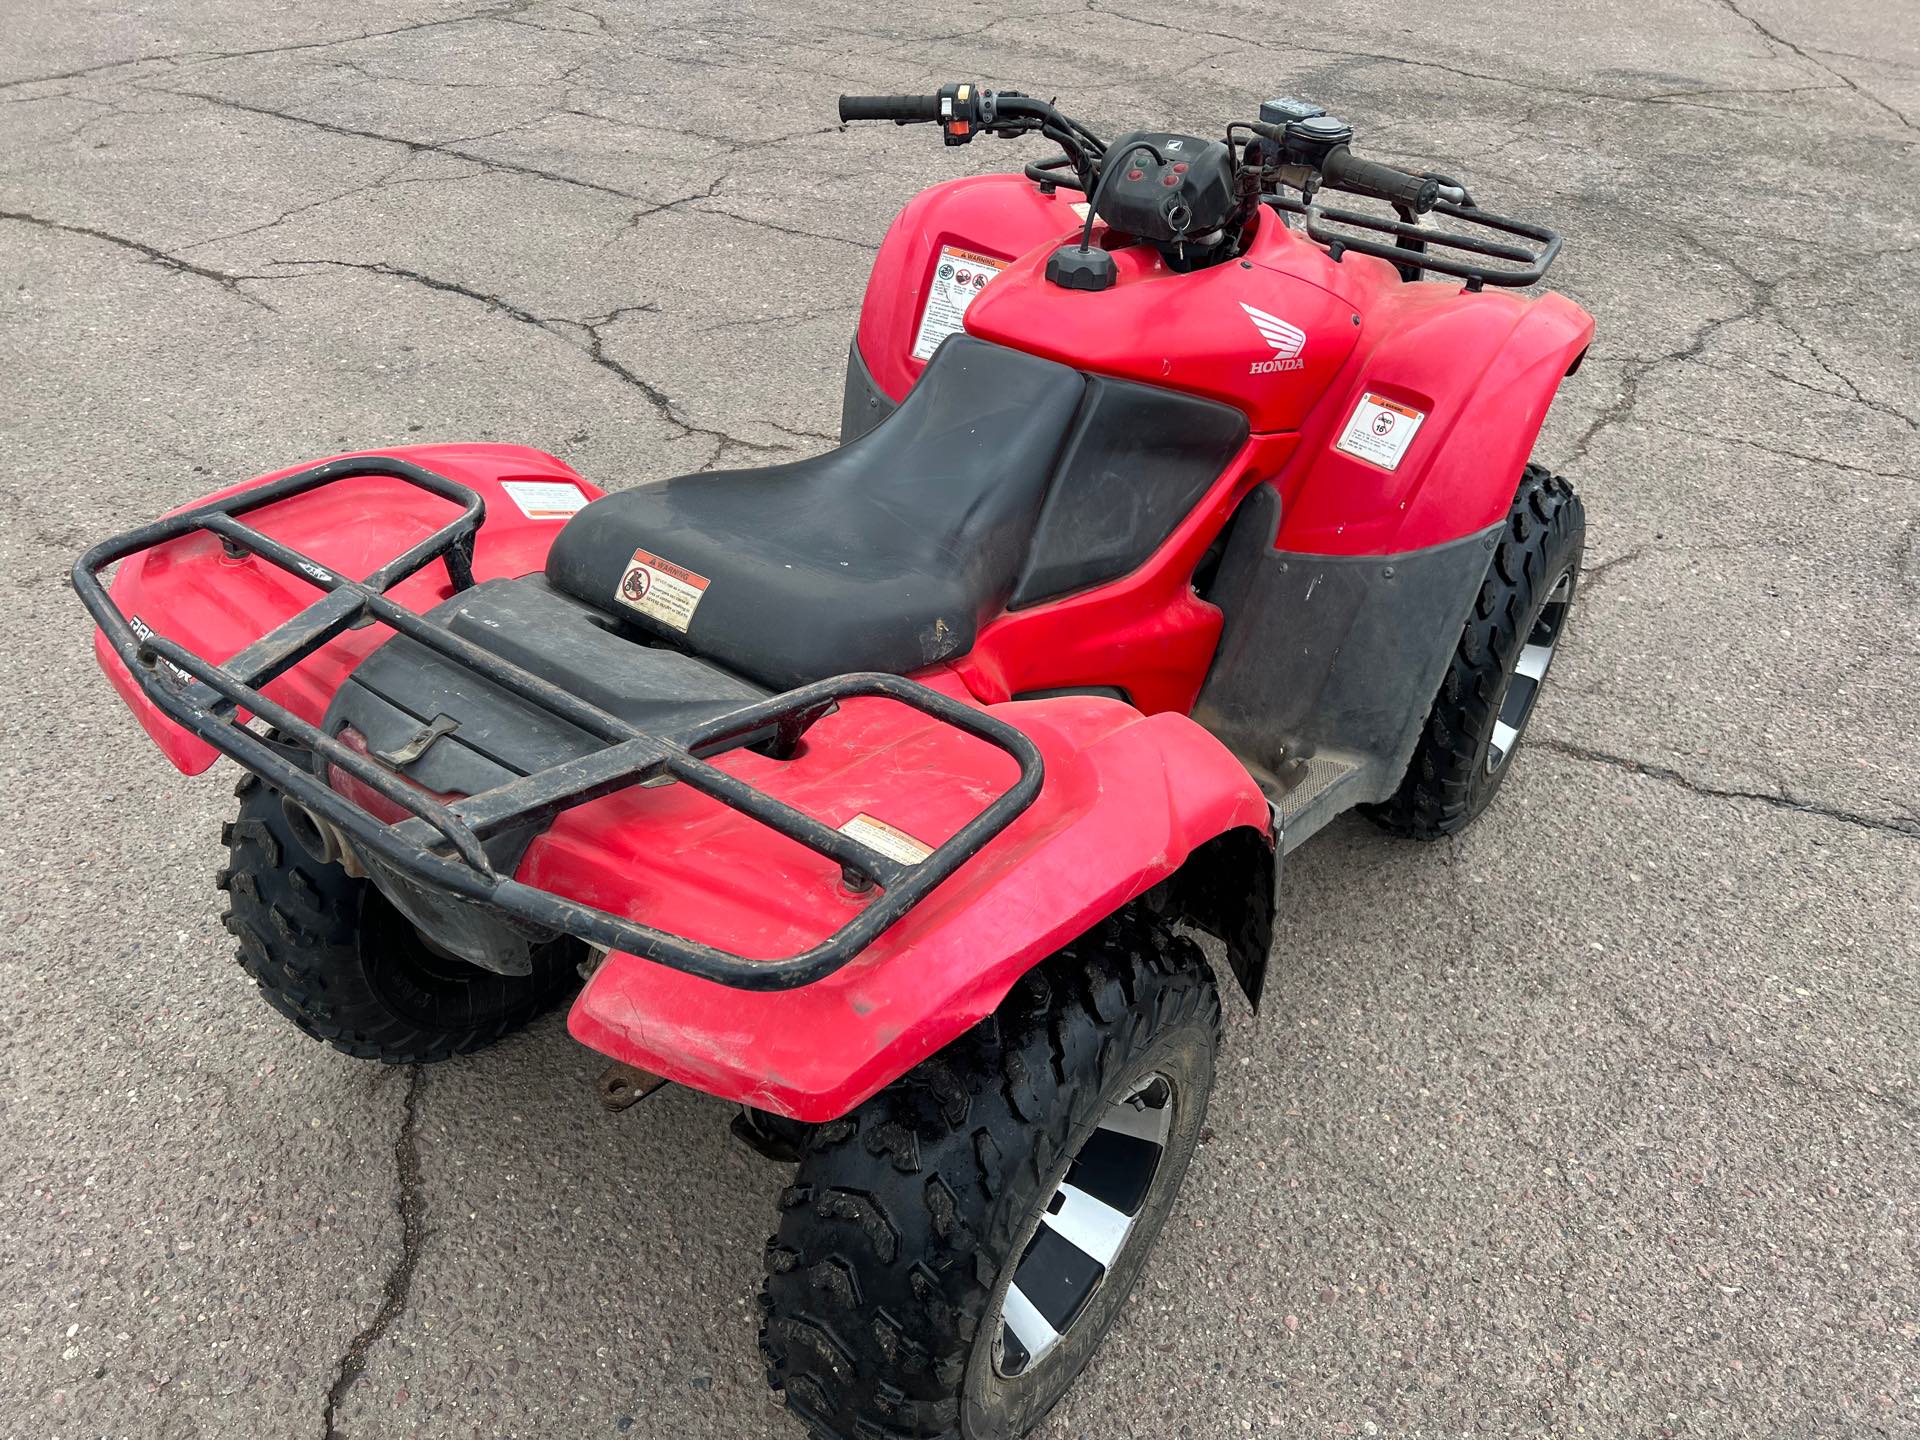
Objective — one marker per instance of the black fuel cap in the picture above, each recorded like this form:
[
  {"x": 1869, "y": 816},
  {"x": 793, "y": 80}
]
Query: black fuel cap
[{"x": 1072, "y": 268}]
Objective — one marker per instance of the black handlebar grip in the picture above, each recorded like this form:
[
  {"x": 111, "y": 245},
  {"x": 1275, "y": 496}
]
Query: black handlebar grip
[
  {"x": 899, "y": 108},
  {"x": 1345, "y": 171}
]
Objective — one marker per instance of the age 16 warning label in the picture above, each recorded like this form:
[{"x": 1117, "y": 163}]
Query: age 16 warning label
[
  {"x": 960, "y": 275},
  {"x": 1379, "y": 431}
]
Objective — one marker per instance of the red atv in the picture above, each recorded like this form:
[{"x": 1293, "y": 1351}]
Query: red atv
[{"x": 1176, "y": 512}]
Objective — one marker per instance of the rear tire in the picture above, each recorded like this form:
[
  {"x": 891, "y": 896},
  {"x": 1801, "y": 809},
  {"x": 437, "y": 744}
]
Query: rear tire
[
  {"x": 891, "y": 1301},
  {"x": 1467, "y": 745},
  {"x": 333, "y": 955}
]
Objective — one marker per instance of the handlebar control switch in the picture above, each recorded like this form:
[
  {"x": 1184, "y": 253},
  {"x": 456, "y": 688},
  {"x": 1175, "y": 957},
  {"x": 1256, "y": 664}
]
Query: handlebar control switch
[{"x": 965, "y": 110}]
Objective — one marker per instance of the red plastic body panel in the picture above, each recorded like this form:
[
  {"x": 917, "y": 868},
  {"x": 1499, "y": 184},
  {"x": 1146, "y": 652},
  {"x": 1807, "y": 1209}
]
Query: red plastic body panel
[
  {"x": 1109, "y": 823},
  {"x": 1481, "y": 367},
  {"x": 1126, "y": 799},
  {"x": 190, "y": 590},
  {"x": 999, "y": 215},
  {"x": 1189, "y": 332},
  {"x": 1147, "y": 632}
]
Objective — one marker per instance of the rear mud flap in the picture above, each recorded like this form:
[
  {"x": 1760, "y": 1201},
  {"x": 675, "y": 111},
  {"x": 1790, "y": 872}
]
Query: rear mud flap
[{"x": 1328, "y": 664}]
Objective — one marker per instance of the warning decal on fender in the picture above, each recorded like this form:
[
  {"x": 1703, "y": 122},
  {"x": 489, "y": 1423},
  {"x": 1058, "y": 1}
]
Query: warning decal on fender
[
  {"x": 661, "y": 590},
  {"x": 545, "y": 499},
  {"x": 885, "y": 839},
  {"x": 957, "y": 278},
  {"x": 1379, "y": 431}
]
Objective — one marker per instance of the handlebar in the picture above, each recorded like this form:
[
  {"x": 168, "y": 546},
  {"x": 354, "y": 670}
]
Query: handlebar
[
  {"x": 1343, "y": 170},
  {"x": 901, "y": 109}
]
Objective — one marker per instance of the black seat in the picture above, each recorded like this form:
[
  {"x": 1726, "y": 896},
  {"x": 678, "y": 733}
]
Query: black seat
[{"x": 886, "y": 554}]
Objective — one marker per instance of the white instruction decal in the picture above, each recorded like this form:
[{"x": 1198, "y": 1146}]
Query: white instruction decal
[
  {"x": 1380, "y": 431},
  {"x": 885, "y": 839},
  {"x": 661, "y": 590},
  {"x": 960, "y": 275},
  {"x": 545, "y": 499}
]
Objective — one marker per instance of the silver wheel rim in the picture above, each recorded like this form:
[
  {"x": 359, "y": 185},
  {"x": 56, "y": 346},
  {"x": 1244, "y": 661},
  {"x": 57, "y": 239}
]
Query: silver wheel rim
[
  {"x": 1529, "y": 673},
  {"x": 1088, "y": 1222}
]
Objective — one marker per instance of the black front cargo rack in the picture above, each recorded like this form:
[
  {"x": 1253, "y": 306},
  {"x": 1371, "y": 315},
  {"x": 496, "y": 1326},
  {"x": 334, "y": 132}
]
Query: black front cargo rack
[
  {"x": 1521, "y": 265},
  {"x": 208, "y": 700}
]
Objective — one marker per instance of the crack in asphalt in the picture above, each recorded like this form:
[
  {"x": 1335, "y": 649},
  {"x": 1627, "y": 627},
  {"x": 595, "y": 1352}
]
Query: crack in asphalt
[
  {"x": 1536, "y": 85},
  {"x": 1784, "y": 1076},
  {"x": 433, "y": 147},
  {"x": 195, "y": 57},
  {"x": 1761, "y": 305},
  {"x": 410, "y": 1201},
  {"x": 1788, "y": 453},
  {"x": 1906, "y": 827},
  {"x": 387, "y": 181},
  {"x": 1892, "y": 412},
  {"x": 1775, "y": 38},
  {"x": 780, "y": 229},
  {"x": 1591, "y": 575},
  {"x": 594, "y": 348},
  {"x": 226, "y": 281},
  {"x": 1636, "y": 371}
]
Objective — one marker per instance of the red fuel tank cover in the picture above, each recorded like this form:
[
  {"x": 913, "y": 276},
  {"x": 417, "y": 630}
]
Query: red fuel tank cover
[{"x": 1247, "y": 332}]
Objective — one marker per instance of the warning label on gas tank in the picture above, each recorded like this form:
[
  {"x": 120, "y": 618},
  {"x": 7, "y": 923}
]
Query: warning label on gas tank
[
  {"x": 960, "y": 275},
  {"x": 1379, "y": 431},
  {"x": 661, "y": 590}
]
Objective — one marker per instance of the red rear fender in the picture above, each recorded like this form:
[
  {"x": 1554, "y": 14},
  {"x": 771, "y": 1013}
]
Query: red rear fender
[
  {"x": 1126, "y": 800},
  {"x": 190, "y": 591}
]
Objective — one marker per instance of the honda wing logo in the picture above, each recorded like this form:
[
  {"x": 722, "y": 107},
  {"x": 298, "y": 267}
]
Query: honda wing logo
[{"x": 1287, "y": 342}]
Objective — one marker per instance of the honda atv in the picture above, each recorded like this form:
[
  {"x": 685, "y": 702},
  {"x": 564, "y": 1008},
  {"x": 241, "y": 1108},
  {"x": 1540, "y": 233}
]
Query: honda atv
[{"x": 880, "y": 793}]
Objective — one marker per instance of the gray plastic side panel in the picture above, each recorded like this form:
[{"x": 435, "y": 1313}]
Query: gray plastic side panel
[
  {"x": 863, "y": 404},
  {"x": 1333, "y": 657}
]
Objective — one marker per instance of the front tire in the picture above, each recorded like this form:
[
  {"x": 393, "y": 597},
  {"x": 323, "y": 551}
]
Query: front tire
[
  {"x": 952, "y": 1251},
  {"x": 1499, "y": 667},
  {"x": 331, "y": 954}
]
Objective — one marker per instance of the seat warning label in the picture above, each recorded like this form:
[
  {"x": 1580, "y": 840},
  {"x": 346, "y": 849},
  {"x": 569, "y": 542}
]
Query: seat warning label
[
  {"x": 545, "y": 499},
  {"x": 1379, "y": 431},
  {"x": 885, "y": 839},
  {"x": 661, "y": 590},
  {"x": 960, "y": 275}
]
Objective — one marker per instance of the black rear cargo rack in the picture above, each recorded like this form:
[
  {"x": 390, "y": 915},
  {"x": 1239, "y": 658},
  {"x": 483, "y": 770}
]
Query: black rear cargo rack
[
  {"x": 441, "y": 845},
  {"x": 1522, "y": 265}
]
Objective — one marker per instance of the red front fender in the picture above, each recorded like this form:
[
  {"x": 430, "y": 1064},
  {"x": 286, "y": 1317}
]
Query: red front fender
[{"x": 1127, "y": 799}]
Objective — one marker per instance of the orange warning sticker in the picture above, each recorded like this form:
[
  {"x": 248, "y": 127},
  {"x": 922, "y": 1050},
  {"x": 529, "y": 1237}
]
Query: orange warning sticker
[
  {"x": 959, "y": 276},
  {"x": 661, "y": 590},
  {"x": 1379, "y": 431}
]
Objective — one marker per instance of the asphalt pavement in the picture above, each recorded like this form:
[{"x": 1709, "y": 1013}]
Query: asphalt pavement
[{"x": 1598, "y": 1120}]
